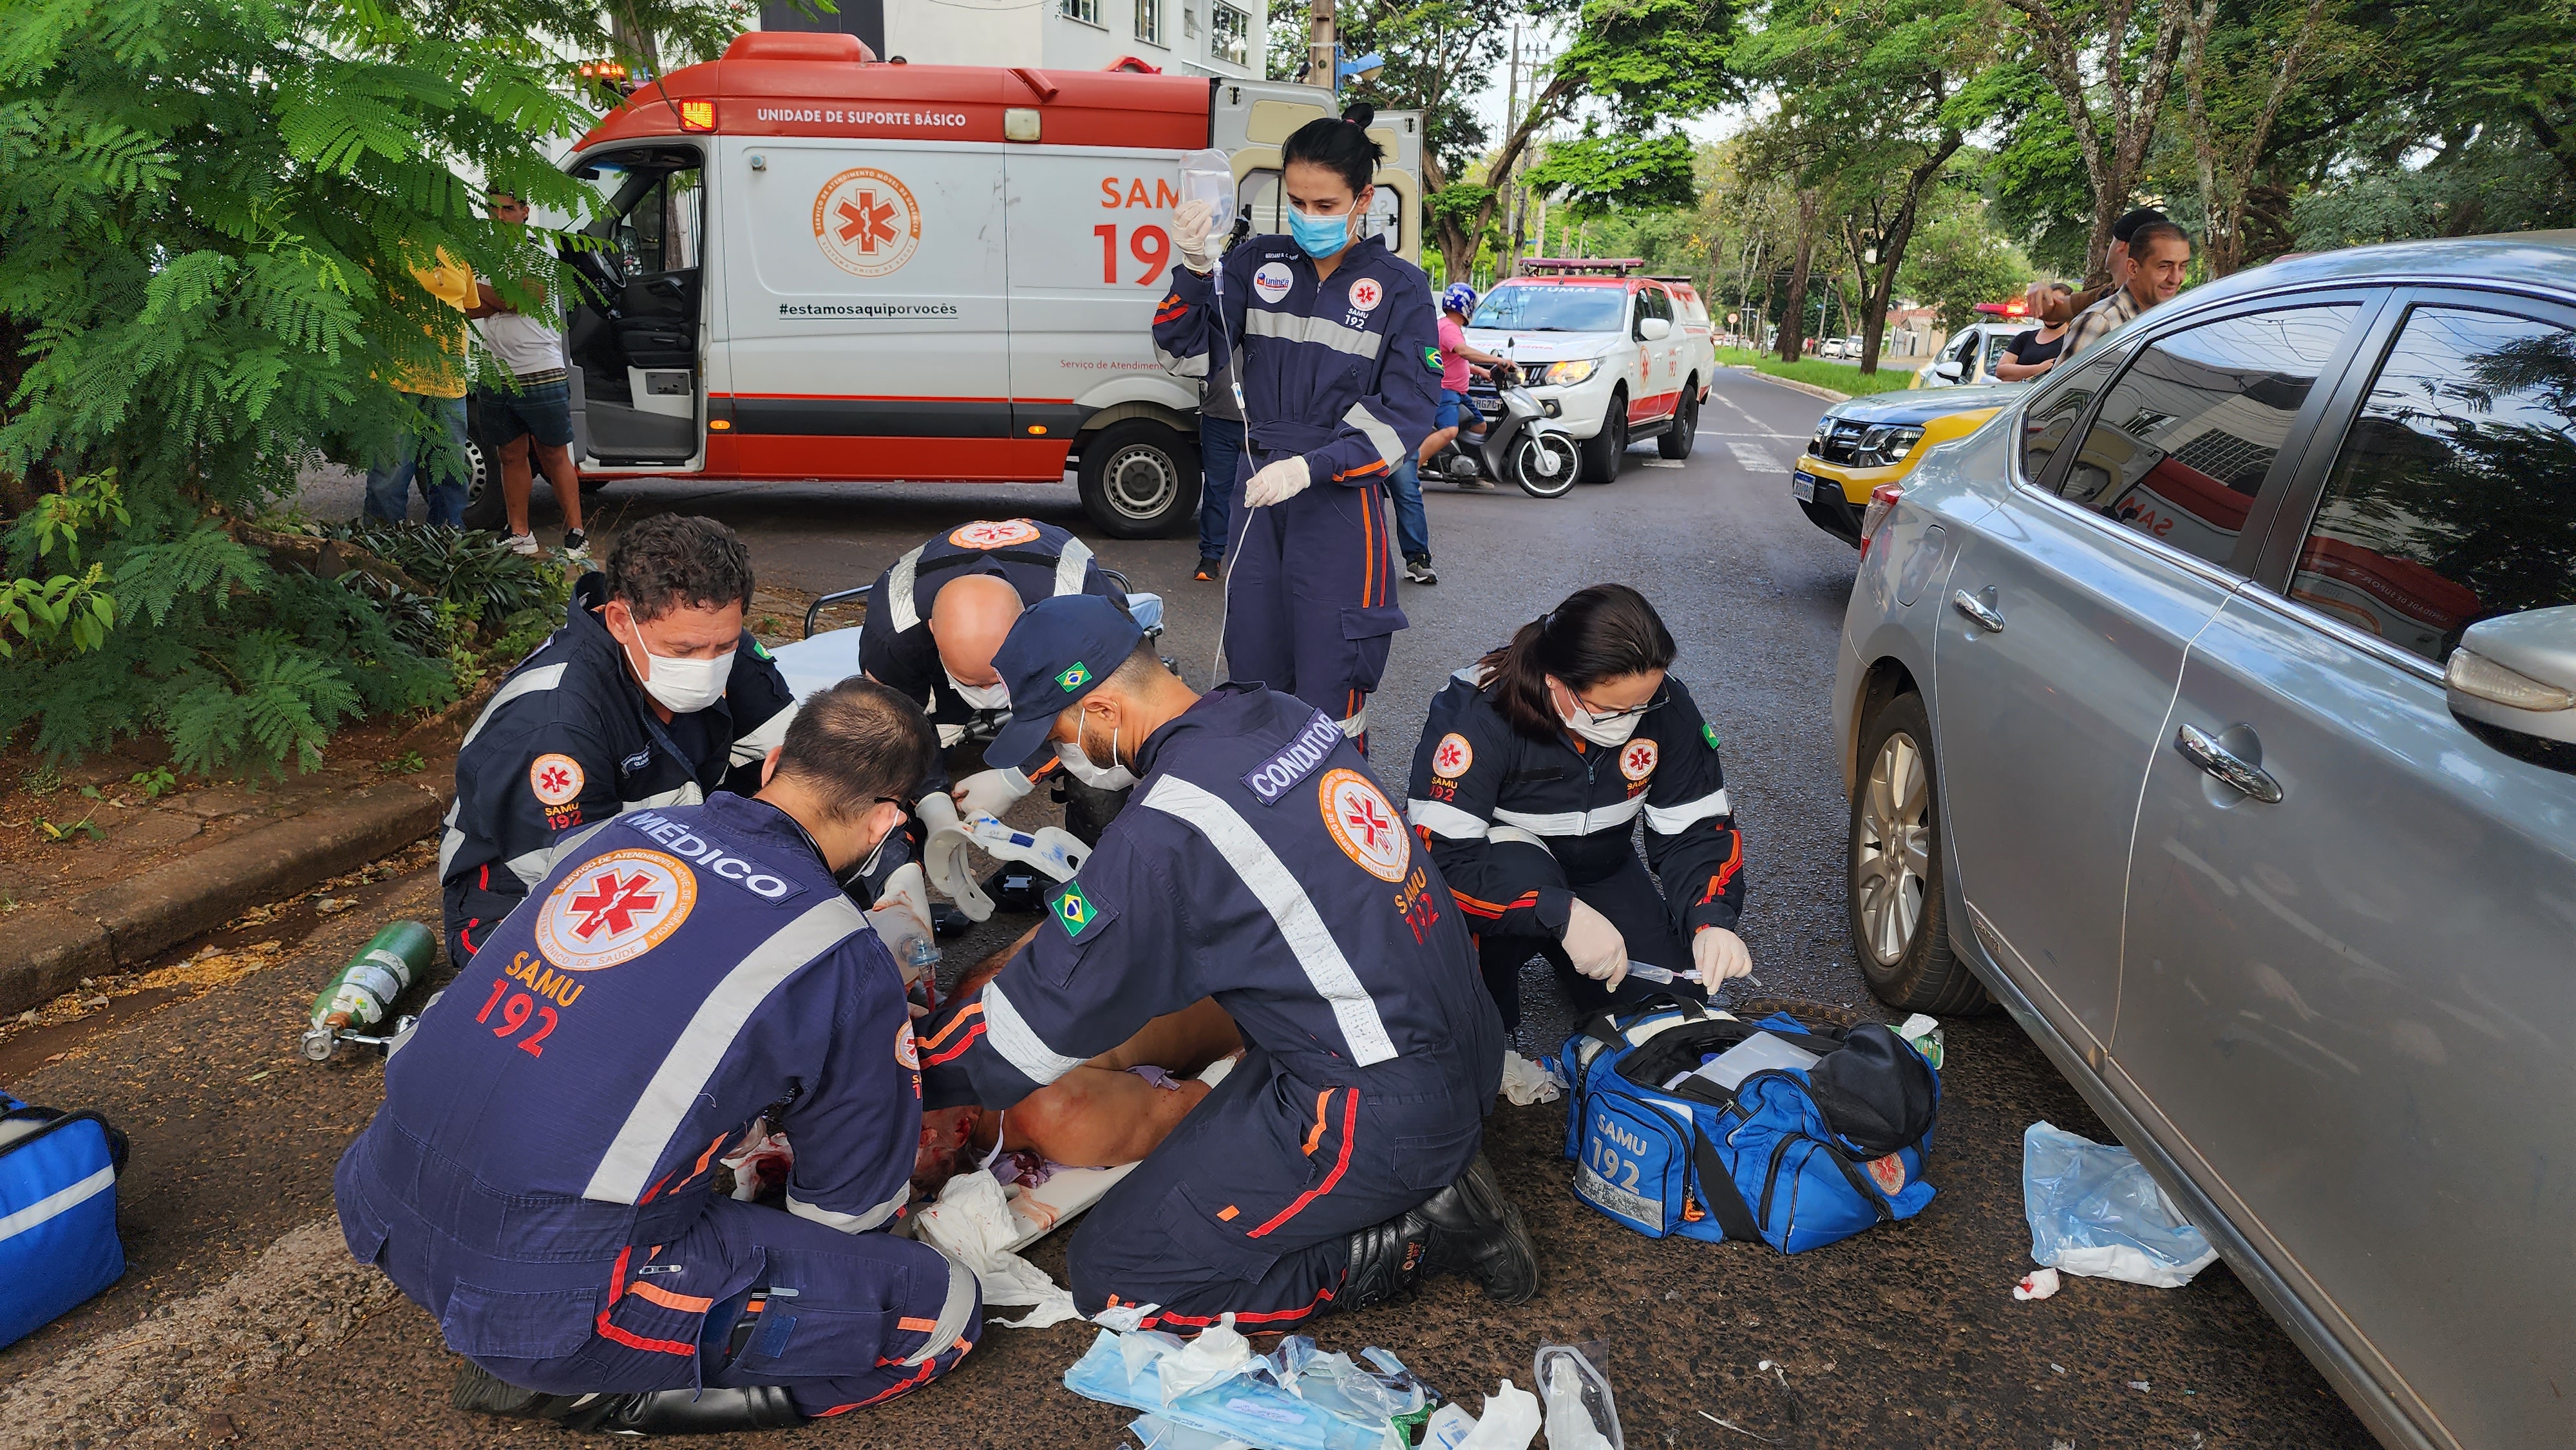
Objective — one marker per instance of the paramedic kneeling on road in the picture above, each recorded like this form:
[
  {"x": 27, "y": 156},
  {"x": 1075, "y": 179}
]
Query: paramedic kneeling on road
[
  {"x": 539, "y": 1177},
  {"x": 651, "y": 694},
  {"x": 1340, "y": 366},
  {"x": 936, "y": 616},
  {"x": 1259, "y": 866},
  {"x": 1531, "y": 771}
]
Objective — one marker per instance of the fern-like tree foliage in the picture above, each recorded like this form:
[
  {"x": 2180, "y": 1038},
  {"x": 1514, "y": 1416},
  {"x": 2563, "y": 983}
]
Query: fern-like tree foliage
[{"x": 208, "y": 214}]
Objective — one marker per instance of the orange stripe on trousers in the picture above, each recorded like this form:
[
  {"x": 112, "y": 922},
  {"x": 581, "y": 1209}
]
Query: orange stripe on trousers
[{"x": 1350, "y": 1127}]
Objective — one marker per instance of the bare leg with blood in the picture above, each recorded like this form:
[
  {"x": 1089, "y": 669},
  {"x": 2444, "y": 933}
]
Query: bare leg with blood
[{"x": 1100, "y": 1114}]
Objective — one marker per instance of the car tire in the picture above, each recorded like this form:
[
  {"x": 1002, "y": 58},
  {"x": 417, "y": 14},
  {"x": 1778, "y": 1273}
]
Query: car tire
[
  {"x": 483, "y": 503},
  {"x": 1140, "y": 480},
  {"x": 1676, "y": 440},
  {"x": 1895, "y": 876},
  {"x": 1603, "y": 450}
]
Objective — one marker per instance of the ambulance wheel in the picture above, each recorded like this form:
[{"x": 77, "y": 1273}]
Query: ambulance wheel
[
  {"x": 1603, "y": 450},
  {"x": 1899, "y": 914},
  {"x": 1676, "y": 440},
  {"x": 483, "y": 508},
  {"x": 1140, "y": 480}
]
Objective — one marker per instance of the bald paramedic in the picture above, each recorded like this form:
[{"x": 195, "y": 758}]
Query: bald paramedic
[
  {"x": 936, "y": 616},
  {"x": 541, "y": 1175},
  {"x": 1259, "y": 866}
]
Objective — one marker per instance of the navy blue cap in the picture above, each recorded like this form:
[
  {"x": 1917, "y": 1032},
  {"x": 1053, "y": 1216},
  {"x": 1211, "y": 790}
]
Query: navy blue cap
[{"x": 1058, "y": 651}]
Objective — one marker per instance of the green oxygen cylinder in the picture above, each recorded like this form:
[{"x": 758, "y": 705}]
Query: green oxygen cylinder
[{"x": 361, "y": 993}]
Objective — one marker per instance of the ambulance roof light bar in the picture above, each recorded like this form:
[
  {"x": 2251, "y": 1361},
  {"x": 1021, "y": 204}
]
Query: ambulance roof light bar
[
  {"x": 1611, "y": 266},
  {"x": 799, "y": 45}
]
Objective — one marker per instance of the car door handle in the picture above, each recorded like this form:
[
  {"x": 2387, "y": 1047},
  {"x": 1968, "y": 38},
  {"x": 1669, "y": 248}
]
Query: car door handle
[
  {"x": 2232, "y": 770},
  {"x": 1976, "y": 609}
]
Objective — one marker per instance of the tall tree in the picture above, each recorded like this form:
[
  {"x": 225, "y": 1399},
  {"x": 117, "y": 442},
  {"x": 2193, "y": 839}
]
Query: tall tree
[
  {"x": 2234, "y": 90},
  {"x": 2132, "y": 59}
]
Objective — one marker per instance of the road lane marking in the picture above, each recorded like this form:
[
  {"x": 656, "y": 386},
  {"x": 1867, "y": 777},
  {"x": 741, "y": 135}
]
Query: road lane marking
[{"x": 1754, "y": 457}]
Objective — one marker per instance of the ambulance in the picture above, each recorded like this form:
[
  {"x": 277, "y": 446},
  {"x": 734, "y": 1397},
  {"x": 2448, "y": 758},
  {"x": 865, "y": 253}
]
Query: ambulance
[{"x": 815, "y": 265}]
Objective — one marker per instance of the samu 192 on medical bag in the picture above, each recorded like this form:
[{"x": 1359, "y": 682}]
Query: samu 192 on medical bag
[
  {"x": 1796, "y": 1156},
  {"x": 58, "y": 1243}
]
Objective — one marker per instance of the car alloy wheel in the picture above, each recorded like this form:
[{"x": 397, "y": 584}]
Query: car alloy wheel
[{"x": 1891, "y": 849}]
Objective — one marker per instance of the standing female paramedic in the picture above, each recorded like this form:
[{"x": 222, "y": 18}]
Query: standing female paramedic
[
  {"x": 1339, "y": 359},
  {"x": 1532, "y": 770}
]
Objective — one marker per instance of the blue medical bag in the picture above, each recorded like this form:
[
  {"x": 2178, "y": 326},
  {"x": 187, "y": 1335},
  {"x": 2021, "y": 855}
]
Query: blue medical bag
[
  {"x": 1795, "y": 1157},
  {"x": 58, "y": 1243}
]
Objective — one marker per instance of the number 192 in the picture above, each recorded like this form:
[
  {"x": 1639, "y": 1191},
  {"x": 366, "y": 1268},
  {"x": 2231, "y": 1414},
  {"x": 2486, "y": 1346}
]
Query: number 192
[{"x": 1149, "y": 245}]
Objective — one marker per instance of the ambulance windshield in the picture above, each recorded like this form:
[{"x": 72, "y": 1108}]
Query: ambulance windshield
[{"x": 1544, "y": 307}]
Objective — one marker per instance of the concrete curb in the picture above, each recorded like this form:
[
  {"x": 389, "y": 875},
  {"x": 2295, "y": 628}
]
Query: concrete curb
[
  {"x": 1810, "y": 389},
  {"x": 46, "y": 948}
]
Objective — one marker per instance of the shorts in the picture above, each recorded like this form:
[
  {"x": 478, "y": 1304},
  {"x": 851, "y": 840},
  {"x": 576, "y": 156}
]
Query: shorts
[
  {"x": 1453, "y": 406},
  {"x": 542, "y": 411}
]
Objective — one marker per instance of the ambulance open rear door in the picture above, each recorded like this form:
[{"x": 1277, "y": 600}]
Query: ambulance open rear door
[{"x": 635, "y": 331}]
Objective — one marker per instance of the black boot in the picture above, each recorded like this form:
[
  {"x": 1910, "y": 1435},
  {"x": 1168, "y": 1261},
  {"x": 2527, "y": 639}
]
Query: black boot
[
  {"x": 1467, "y": 1228},
  {"x": 654, "y": 1412}
]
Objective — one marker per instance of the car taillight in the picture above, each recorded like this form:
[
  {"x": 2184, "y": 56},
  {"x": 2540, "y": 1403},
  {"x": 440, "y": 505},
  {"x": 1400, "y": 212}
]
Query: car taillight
[{"x": 1882, "y": 502}]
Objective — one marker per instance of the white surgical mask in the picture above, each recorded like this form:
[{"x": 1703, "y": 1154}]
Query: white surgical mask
[
  {"x": 995, "y": 696},
  {"x": 686, "y": 686},
  {"x": 1113, "y": 776},
  {"x": 1612, "y": 732}
]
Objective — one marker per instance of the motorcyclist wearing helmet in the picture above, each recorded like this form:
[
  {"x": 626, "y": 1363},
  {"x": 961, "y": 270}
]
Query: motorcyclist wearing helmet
[{"x": 1457, "y": 359}]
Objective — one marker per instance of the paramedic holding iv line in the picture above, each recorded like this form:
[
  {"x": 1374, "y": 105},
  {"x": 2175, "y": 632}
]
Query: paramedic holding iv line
[{"x": 1338, "y": 362}]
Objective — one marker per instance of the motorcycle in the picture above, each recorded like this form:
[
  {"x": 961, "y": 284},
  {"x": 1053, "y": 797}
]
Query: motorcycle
[{"x": 1524, "y": 446}]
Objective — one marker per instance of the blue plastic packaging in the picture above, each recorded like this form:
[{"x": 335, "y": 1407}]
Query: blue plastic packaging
[{"x": 2094, "y": 1211}]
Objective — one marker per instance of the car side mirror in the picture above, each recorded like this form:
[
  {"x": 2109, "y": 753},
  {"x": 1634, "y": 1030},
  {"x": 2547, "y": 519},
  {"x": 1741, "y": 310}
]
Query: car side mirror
[
  {"x": 1948, "y": 371},
  {"x": 1654, "y": 329},
  {"x": 2517, "y": 673}
]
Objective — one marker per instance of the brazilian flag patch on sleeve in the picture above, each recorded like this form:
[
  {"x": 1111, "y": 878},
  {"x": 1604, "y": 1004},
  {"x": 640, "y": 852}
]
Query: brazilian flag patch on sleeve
[
  {"x": 1431, "y": 359},
  {"x": 1074, "y": 911},
  {"x": 1709, "y": 732}
]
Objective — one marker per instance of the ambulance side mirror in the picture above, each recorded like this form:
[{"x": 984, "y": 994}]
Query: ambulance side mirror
[{"x": 1654, "y": 329}]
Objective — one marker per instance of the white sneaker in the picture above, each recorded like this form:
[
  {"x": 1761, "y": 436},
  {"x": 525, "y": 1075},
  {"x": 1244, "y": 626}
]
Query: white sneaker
[{"x": 524, "y": 545}]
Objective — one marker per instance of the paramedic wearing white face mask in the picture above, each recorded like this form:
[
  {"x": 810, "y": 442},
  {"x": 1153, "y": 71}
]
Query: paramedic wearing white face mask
[
  {"x": 935, "y": 618},
  {"x": 1340, "y": 369},
  {"x": 1533, "y": 768},
  {"x": 651, "y": 694}
]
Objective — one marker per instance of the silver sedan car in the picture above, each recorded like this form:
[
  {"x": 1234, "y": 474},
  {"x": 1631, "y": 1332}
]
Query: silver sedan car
[{"x": 2213, "y": 710}]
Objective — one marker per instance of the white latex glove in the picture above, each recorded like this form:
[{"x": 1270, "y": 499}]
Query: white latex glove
[
  {"x": 990, "y": 792},
  {"x": 1191, "y": 221},
  {"x": 1277, "y": 483},
  {"x": 1719, "y": 954},
  {"x": 1597, "y": 949},
  {"x": 902, "y": 913}
]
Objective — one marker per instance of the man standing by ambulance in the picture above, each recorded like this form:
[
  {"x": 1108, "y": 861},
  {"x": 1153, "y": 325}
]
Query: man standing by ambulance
[
  {"x": 652, "y": 694},
  {"x": 1260, "y": 866},
  {"x": 541, "y": 1175}
]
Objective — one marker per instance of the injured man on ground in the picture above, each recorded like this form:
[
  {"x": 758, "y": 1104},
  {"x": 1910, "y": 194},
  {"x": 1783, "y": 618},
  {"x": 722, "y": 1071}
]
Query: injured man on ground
[{"x": 1114, "y": 1109}]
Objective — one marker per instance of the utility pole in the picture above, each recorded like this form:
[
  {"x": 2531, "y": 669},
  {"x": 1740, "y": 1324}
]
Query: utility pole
[
  {"x": 1511, "y": 188},
  {"x": 1321, "y": 52}
]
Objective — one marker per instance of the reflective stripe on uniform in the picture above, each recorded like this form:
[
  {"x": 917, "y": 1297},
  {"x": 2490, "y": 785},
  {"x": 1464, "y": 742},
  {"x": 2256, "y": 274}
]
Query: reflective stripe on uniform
[
  {"x": 1574, "y": 823},
  {"x": 526, "y": 682},
  {"x": 954, "y": 1311},
  {"x": 1357, "y": 725},
  {"x": 530, "y": 867},
  {"x": 1071, "y": 565},
  {"x": 899, "y": 608},
  {"x": 765, "y": 737},
  {"x": 1358, "y": 342},
  {"x": 1444, "y": 819},
  {"x": 448, "y": 842},
  {"x": 1019, "y": 1043},
  {"x": 851, "y": 1223},
  {"x": 665, "y": 1102},
  {"x": 1290, "y": 910},
  {"x": 1513, "y": 836},
  {"x": 1665, "y": 820},
  {"x": 1195, "y": 366},
  {"x": 684, "y": 795},
  {"x": 1389, "y": 446}
]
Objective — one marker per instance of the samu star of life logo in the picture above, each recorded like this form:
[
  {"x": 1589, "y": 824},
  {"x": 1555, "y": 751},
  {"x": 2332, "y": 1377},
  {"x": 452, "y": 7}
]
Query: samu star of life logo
[
  {"x": 867, "y": 222},
  {"x": 993, "y": 533},
  {"x": 1451, "y": 757},
  {"x": 614, "y": 908},
  {"x": 1637, "y": 761},
  {"x": 554, "y": 779},
  {"x": 1364, "y": 824}
]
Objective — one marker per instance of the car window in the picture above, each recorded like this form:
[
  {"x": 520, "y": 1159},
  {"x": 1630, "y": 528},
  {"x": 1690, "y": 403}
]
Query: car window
[
  {"x": 2052, "y": 415},
  {"x": 649, "y": 211},
  {"x": 2449, "y": 501},
  {"x": 2184, "y": 439},
  {"x": 1550, "y": 307}
]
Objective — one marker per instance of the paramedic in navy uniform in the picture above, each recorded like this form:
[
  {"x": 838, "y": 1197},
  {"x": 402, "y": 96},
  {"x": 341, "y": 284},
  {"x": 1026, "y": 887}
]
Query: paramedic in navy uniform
[
  {"x": 936, "y": 615},
  {"x": 1259, "y": 865},
  {"x": 1532, "y": 770},
  {"x": 539, "y": 1177},
  {"x": 1339, "y": 358}
]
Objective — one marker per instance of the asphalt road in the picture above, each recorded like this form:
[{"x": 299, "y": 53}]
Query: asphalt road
[{"x": 1905, "y": 1336}]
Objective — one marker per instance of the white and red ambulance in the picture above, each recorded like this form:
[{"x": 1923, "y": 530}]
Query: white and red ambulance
[{"x": 820, "y": 266}]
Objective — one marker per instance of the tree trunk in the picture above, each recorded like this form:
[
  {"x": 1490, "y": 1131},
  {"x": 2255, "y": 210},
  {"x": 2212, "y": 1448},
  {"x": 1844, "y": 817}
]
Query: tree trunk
[
  {"x": 1793, "y": 329},
  {"x": 2133, "y": 103},
  {"x": 1891, "y": 248}
]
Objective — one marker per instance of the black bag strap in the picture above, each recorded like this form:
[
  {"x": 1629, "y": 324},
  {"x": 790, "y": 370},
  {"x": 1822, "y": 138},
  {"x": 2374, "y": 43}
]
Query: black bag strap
[{"x": 1717, "y": 1186}]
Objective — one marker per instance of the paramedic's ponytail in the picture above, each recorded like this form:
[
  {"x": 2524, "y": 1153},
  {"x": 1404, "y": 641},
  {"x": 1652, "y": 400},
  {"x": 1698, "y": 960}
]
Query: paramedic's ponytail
[
  {"x": 1601, "y": 633},
  {"x": 1342, "y": 147}
]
